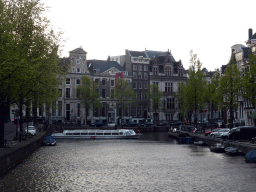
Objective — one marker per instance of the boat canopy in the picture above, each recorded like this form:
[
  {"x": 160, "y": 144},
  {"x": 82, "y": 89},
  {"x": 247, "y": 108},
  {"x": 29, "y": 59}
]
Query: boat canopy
[{"x": 99, "y": 132}]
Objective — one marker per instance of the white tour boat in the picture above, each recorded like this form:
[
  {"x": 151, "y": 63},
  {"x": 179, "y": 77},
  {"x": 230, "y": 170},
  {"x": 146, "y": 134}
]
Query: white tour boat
[{"x": 97, "y": 134}]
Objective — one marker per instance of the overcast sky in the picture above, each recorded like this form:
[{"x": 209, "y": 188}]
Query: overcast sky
[{"x": 108, "y": 27}]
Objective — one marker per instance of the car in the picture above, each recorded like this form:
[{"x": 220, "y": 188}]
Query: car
[
  {"x": 30, "y": 130},
  {"x": 209, "y": 132},
  {"x": 225, "y": 135},
  {"x": 163, "y": 123},
  {"x": 97, "y": 124},
  {"x": 219, "y": 132},
  {"x": 130, "y": 124},
  {"x": 111, "y": 124},
  {"x": 178, "y": 123},
  {"x": 147, "y": 124},
  {"x": 205, "y": 122}
]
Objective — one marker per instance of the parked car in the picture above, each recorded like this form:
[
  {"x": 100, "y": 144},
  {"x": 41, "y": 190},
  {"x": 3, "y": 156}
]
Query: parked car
[
  {"x": 30, "y": 130},
  {"x": 225, "y": 135},
  {"x": 163, "y": 123},
  {"x": 205, "y": 122},
  {"x": 97, "y": 124},
  {"x": 178, "y": 123},
  {"x": 147, "y": 124},
  {"x": 219, "y": 132},
  {"x": 242, "y": 133},
  {"x": 130, "y": 124},
  {"x": 209, "y": 132},
  {"x": 112, "y": 124}
]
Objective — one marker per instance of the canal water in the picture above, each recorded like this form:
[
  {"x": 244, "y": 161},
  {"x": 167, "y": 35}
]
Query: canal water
[{"x": 153, "y": 163}]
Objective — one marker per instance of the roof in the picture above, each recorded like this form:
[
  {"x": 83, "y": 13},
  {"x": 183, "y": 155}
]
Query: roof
[
  {"x": 159, "y": 54},
  {"x": 78, "y": 50},
  {"x": 138, "y": 54},
  {"x": 105, "y": 65}
]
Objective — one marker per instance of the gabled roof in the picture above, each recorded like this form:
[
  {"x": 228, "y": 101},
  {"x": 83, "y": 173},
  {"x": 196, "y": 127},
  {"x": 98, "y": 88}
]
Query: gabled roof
[
  {"x": 159, "y": 54},
  {"x": 78, "y": 50},
  {"x": 137, "y": 54},
  {"x": 102, "y": 66}
]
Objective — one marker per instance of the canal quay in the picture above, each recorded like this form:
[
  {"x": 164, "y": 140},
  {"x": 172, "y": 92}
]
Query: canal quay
[{"x": 155, "y": 162}]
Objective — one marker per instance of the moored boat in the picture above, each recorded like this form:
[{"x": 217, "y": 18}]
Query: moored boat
[
  {"x": 218, "y": 148},
  {"x": 231, "y": 151},
  {"x": 97, "y": 134},
  {"x": 251, "y": 157},
  {"x": 49, "y": 141},
  {"x": 199, "y": 143}
]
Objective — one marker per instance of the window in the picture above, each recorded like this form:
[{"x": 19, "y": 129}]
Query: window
[
  {"x": 140, "y": 67},
  {"x": 139, "y": 75},
  {"x": 103, "y": 82},
  {"x": 53, "y": 108},
  {"x": 134, "y": 59},
  {"x": 145, "y": 68},
  {"x": 167, "y": 87},
  {"x": 134, "y": 75},
  {"x": 68, "y": 92},
  {"x": 167, "y": 71},
  {"x": 112, "y": 93},
  {"x": 145, "y": 60},
  {"x": 140, "y": 85},
  {"x": 145, "y": 75},
  {"x": 112, "y": 83},
  {"x": 103, "y": 93},
  {"x": 155, "y": 83},
  {"x": 60, "y": 92},
  {"x": 135, "y": 85},
  {"x": 139, "y": 96},
  {"x": 134, "y": 67},
  {"x": 140, "y": 111},
  {"x": 73, "y": 70},
  {"x": 134, "y": 111},
  {"x": 78, "y": 60},
  {"x": 78, "y": 81},
  {"x": 145, "y": 85},
  {"x": 59, "y": 108},
  {"x": 155, "y": 70},
  {"x": 78, "y": 92},
  {"x": 170, "y": 103},
  {"x": 140, "y": 60},
  {"x": 97, "y": 81},
  {"x": 78, "y": 70},
  {"x": 67, "y": 81}
]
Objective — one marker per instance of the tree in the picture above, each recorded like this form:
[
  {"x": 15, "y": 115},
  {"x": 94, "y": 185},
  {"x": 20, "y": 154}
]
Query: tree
[
  {"x": 249, "y": 81},
  {"x": 211, "y": 95},
  {"x": 181, "y": 99},
  {"x": 88, "y": 95},
  {"x": 29, "y": 53},
  {"x": 124, "y": 95},
  {"x": 230, "y": 87},
  {"x": 155, "y": 97},
  {"x": 196, "y": 84}
]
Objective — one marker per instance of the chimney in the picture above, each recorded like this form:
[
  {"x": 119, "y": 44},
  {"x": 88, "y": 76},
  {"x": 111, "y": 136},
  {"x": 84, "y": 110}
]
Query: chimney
[{"x": 250, "y": 34}]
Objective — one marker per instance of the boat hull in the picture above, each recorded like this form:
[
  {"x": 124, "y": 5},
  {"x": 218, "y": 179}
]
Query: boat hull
[{"x": 97, "y": 136}]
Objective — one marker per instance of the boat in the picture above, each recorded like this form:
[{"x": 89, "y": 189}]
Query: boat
[
  {"x": 199, "y": 143},
  {"x": 97, "y": 134},
  {"x": 251, "y": 157},
  {"x": 49, "y": 141},
  {"x": 185, "y": 138},
  {"x": 218, "y": 148},
  {"x": 231, "y": 151}
]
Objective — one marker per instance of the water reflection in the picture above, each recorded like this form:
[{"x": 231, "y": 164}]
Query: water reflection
[{"x": 153, "y": 163}]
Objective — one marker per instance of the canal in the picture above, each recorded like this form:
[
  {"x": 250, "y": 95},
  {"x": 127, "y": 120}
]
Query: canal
[{"x": 153, "y": 163}]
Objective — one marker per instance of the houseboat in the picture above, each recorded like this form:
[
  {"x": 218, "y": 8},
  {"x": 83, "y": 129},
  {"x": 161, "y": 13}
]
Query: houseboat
[{"x": 97, "y": 134}]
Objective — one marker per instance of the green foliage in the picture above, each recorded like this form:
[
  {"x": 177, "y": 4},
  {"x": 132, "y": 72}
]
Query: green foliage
[
  {"x": 249, "y": 81},
  {"x": 88, "y": 95},
  {"x": 230, "y": 85},
  {"x": 154, "y": 96},
  {"x": 196, "y": 85},
  {"x": 124, "y": 94}
]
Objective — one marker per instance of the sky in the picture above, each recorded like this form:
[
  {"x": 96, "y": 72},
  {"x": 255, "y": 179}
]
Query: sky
[{"x": 108, "y": 27}]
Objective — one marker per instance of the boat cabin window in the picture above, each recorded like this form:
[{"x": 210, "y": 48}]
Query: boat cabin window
[
  {"x": 84, "y": 133},
  {"x": 115, "y": 133},
  {"x": 92, "y": 133},
  {"x": 107, "y": 133},
  {"x": 99, "y": 133},
  {"x": 76, "y": 133},
  {"x": 69, "y": 134}
]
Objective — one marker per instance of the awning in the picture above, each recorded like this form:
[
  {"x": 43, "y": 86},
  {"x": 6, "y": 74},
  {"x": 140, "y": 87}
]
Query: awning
[{"x": 253, "y": 115}]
